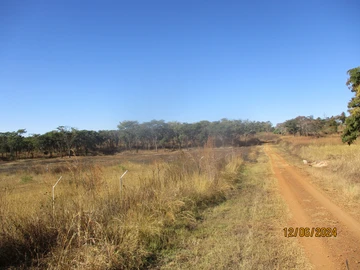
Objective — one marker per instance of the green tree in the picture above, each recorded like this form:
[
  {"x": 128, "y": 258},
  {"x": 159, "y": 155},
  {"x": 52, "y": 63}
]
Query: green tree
[
  {"x": 292, "y": 126},
  {"x": 176, "y": 134},
  {"x": 352, "y": 129},
  {"x": 155, "y": 131},
  {"x": 49, "y": 142},
  {"x": 129, "y": 133},
  {"x": 4, "y": 145},
  {"x": 30, "y": 144},
  {"x": 16, "y": 142},
  {"x": 85, "y": 140},
  {"x": 67, "y": 135},
  {"x": 342, "y": 118}
]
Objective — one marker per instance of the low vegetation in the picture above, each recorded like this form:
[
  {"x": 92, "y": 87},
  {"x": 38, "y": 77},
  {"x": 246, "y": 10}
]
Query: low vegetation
[
  {"x": 95, "y": 224},
  {"x": 204, "y": 209},
  {"x": 245, "y": 232}
]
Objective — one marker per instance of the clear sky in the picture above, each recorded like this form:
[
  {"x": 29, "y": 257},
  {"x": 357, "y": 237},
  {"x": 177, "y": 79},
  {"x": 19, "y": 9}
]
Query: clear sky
[{"x": 91, "y": 64}]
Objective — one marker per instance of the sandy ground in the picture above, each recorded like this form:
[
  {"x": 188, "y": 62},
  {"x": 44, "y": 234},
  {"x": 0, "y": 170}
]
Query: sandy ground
[{"x": 311, "y": 207}]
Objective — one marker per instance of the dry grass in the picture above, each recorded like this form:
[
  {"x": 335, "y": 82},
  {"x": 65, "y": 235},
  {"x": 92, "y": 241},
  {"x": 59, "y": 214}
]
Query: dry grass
[
  {"x": 94, "y": 226},
  {"x": 245, "y": 232},
  {"x": 342, "y": 174}
]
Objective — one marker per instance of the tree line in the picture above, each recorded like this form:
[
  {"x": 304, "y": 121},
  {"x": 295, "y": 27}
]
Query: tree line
[
  {"x": 156, "y": 134},
  {"x": 310, "y": 126},
  {"x": 349, "y": 126},
  {"x": 129, "y": 135}
]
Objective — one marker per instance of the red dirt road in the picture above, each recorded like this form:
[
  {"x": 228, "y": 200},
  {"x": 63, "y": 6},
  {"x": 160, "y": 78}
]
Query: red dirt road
[{"x": 310, "y": 207}]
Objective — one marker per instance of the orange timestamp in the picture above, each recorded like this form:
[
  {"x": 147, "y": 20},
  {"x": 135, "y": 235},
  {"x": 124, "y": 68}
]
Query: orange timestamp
[{"x": 310, "y": 232}]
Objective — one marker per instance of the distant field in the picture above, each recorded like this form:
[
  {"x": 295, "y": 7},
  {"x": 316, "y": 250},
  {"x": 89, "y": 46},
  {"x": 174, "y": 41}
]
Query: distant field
[
  {"x": 95, "y": 224},
  {"x": 42, "y": 165}
]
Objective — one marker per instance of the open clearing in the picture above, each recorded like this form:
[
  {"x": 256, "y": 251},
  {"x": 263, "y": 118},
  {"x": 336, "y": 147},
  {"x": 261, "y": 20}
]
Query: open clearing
[
  {"x": 235, "y": 222},
  {"x": 142, "y": 157}
]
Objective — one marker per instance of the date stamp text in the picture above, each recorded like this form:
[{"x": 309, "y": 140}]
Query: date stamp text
[{"x": 310, "y": 232}]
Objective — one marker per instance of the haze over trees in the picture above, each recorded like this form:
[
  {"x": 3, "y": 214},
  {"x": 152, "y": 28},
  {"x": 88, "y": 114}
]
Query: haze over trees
[
  {"x": 155, "y": 134},
  {"x": 130, "y": 135}
]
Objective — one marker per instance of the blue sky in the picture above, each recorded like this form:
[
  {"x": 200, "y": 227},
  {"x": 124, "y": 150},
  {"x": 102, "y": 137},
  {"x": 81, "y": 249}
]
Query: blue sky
[{"x": 92, "y": 64}]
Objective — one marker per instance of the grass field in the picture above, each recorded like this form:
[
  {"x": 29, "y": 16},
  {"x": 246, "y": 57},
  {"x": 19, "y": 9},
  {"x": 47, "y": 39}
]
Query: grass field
[
  {"x": 245, "y": 232},
  {"x": 208, "y": 208},
  {"x": 94, "y": 224}
]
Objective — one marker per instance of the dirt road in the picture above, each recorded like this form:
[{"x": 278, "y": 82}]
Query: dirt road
[{"x": 312, "y": 208}]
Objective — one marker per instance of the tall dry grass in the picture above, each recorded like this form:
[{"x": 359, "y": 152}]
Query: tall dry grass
[
  {"x": 343, "y": 171},
  {"x": 94, "y": 225},
  {"x": 245, "y": 232}
]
